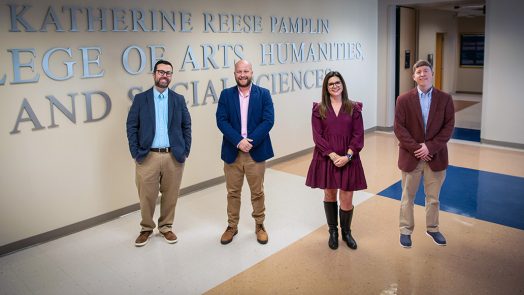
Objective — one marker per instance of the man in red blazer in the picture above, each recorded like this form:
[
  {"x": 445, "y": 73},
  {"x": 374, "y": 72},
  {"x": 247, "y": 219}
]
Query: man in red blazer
[{"x": 424, "y": 120}]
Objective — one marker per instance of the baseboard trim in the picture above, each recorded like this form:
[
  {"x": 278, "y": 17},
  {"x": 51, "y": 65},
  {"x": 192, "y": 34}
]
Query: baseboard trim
[
  {"x": 201, "y": 186},
  {"x": 66, "y": 230},
  {"x": 289, "y": 157},
  {"x": 468, "y": 92},
  {"x": 385, "y": 129},
  {"x": 502, "y": 143},
  {"x": 94, "y": 221},
  {"x": 103, "y": 218}
]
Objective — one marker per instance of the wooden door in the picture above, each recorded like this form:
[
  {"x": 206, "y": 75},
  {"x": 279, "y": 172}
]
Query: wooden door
[{"x": 439, "y": 55}]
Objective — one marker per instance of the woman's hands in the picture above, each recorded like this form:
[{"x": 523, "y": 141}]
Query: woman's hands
[{"x": 338, "y": 160}]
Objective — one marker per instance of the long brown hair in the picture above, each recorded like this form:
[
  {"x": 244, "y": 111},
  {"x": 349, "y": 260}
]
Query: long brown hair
[{"x": 347, "y": 104}]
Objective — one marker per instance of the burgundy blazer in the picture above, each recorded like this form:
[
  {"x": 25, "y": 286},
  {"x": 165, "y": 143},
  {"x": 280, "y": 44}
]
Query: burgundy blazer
[{"x": 409, "y": 129}]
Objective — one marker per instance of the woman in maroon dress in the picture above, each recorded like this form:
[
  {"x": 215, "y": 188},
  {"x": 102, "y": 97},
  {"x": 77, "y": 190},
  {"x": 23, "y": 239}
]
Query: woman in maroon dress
[{"x": 338, "y": 133}]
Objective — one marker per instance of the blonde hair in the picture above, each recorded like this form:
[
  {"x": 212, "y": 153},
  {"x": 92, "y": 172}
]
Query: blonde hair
[{"x": 422, "y": 63}]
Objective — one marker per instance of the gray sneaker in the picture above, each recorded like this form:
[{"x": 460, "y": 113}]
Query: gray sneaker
[
  {"x": 437, "y": 237},
  {"x": 405, "y": 241}
]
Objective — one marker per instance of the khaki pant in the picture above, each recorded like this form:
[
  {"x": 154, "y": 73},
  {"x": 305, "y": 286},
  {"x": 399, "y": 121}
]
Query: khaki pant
[
  {"x": 433, "y": 181},
  {"x": 254, "y": 172},
  {"x": 159, "y": 172}
]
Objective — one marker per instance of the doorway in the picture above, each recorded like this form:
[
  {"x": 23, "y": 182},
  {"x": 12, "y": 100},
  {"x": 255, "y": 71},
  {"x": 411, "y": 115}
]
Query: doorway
[
  {"x": 439, "y": 57},
  {"x": 443, "y": 34},
  {"x": 406, "y": 45}
]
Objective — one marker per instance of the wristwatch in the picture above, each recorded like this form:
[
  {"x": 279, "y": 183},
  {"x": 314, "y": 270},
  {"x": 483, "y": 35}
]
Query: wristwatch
[{"x": 349, "y": 156}]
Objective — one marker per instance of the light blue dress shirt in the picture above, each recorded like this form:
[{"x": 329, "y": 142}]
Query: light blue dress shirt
[
  {"x": 425, "y": 104},
  {"x": 161, "y": 139}
]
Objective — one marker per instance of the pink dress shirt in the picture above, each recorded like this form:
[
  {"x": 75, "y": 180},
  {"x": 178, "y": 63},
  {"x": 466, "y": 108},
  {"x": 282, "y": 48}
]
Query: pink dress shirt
[{"x": 244, "y": 104}]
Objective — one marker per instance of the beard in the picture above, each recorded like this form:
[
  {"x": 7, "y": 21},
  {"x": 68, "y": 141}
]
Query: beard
[
  {"x": 244, "y": 82},
  {"x": 162, "y": 82}
]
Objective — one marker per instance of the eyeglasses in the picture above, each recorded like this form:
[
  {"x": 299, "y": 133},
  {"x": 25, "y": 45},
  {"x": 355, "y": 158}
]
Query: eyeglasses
[
  {"x": 331, "y": 85},
  {"x": 164, "y": 73}
]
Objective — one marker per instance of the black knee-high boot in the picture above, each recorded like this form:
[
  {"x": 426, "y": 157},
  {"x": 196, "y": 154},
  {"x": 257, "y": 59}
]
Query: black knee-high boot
[
  {"x": 332, "y": 221},
  {"x": 345, "y": 225}
]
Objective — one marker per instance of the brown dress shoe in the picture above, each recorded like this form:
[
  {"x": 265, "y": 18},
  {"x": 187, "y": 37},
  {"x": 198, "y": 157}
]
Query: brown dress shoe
[
  {"x": 228, "y": 235},
  {"x": 262, "y": 237},
  {"x": 170, "y": 237},
  {"x": 143, "y": 238}
]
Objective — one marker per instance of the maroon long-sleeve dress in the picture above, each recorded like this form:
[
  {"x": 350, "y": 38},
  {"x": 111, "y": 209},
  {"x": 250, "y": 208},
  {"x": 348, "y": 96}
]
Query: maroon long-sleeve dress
[{"x": 337, "y": 134}]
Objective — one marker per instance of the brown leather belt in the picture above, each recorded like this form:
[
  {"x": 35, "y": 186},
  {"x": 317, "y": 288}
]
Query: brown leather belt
[{"x": 160, "y": 150}]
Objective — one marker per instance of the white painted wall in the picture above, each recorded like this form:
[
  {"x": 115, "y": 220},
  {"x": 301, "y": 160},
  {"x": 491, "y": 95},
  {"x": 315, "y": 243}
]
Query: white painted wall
[
  {"x": 385, "y": 64},
  {"x": 469, "y": 79},
  {"x": 502, "y": 107},
  {"x": 432, "y": 22},
  {"x": 407, "y": 42},
  {"x": 386, "y": 48},
  {"x": 58, "y": 176},
  {"x": 502, "y": 104}
]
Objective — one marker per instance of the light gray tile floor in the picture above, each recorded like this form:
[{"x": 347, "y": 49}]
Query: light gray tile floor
[{"x": 104, "y": 260}]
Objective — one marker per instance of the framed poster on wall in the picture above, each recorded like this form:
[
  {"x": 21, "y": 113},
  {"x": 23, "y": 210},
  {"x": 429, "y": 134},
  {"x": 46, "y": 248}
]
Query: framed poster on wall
[{"x": 472, "y": 50}]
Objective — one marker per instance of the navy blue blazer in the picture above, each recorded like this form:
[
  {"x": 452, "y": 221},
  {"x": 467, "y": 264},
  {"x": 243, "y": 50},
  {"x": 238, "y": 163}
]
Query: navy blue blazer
[
  {"x": 141, "y": 125},
  {"x": 260, "y": 120}
]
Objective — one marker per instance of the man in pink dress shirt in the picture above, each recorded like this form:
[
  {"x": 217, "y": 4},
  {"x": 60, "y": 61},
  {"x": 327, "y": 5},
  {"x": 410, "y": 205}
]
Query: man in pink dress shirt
[{"x": 245, "y": 115}]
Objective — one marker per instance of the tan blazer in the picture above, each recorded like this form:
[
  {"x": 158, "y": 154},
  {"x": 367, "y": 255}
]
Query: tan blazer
[{"x": 409, "y": 129}]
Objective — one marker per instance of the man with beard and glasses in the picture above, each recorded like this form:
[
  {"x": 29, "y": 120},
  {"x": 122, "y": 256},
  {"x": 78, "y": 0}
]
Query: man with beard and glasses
[
  {"x": 245, "y": 116},
  {"x": 159, "y": 135}
]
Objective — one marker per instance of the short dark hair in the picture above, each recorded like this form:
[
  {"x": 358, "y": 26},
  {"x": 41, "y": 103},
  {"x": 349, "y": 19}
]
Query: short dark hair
[
  {"x": 422, "y": 63},
  {"x": 163, "y": 62}
]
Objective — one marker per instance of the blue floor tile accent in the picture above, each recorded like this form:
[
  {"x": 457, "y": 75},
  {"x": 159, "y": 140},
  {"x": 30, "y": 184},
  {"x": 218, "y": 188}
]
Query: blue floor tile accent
[
  {"x": 466, "y": 134},
  {"x": 488, "y": 196}
]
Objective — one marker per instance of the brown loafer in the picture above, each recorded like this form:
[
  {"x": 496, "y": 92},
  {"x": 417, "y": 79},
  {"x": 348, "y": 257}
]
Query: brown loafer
[
  {"x": 143, "y": 238},
  {"x": 170, "y": 237},
  {"x": 262, "y": 236},
  {"x": 228, "y": 235}
]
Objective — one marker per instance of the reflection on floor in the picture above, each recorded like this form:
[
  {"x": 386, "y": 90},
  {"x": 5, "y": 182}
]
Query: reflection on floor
[
  {"x": 466, "y": 134},
  {"x": 468, "y": 112},
  {"x": 462, "y": 104},
  {"x": 483, "y": 195},
  {"x": 481, "y": 257}
]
